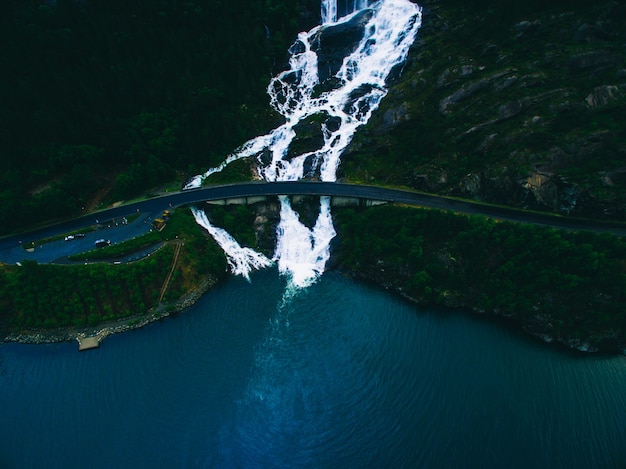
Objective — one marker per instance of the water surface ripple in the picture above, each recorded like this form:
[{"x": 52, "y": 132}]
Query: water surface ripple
[{"x": 339, "y": 375}]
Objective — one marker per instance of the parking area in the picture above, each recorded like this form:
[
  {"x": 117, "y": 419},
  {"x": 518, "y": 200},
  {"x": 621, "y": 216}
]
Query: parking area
[{"x": 57, "y": 251}]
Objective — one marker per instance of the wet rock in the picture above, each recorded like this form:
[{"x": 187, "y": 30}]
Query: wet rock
[
  {"x": 328, "y": 85},
  {"x": 308, "y": 208},
  {"x": 311, "y": 167},
  {"x": 265, "y": 157},
  {"x": 333, "y": 123},
  {"x": 344, "y": 7},
  {"x": 267, "y": 217},
  {"x": 309, "y": 138},
  {"x": 355, "y": 105},
  {"x": 333, "y": 43}
]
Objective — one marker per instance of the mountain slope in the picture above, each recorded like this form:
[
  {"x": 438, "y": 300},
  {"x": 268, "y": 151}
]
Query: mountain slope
[{"x": 522, "y": 105}]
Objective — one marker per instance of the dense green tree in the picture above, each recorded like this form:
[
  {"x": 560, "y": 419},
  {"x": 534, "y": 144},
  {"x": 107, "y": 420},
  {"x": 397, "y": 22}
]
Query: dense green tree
[
  {"x": 577, "y": 280},
  {"x": 139, "y": 89}
]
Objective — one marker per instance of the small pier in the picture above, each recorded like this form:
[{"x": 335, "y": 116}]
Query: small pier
[{"x": 88, "y": 343}]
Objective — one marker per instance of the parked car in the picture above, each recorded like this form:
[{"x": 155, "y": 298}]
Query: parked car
[
  {"x": 102, "y": 243},
  {"x": 69, "y": 237}
]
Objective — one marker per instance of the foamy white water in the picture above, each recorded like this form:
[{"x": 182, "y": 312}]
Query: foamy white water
[
  {"x": 241, "y": 260},
  {"x": 303, "y": 251},
  {"x": 342, "y": 100}
]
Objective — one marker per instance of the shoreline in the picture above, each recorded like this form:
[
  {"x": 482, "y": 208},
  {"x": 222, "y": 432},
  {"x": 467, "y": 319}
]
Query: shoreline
[
  {"x": 103, "y": 330},
  {"x": 532, "y": 331}
]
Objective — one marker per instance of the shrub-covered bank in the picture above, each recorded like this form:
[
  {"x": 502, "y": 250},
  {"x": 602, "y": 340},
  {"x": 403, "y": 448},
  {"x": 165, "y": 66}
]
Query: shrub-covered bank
[{"x": 558, "y": 285}]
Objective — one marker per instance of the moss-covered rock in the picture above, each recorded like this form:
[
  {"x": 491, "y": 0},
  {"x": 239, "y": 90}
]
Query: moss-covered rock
[{"x": 517, "y": 104}]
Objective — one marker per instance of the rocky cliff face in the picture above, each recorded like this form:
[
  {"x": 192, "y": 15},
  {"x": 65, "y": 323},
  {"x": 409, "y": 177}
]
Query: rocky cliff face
[{"x": 519, "y": 106}]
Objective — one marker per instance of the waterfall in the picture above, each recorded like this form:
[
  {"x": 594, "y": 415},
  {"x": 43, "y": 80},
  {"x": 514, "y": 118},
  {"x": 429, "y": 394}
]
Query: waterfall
[
  {"x": 336, "y": 88},
  {"x": 329, "y": 11},
  {"x": 240, "y": 259},
  {"x": 332, "y": 10}
]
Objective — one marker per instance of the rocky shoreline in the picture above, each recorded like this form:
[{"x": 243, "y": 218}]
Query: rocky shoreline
[
  {"x": 69, "y": 334},
  {"x": 539, "y": 329}
]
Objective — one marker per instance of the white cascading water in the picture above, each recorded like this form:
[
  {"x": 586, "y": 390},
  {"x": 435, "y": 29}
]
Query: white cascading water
[
  {"x": 240, "y": 259},
  {"x": 345, "y": 97}
]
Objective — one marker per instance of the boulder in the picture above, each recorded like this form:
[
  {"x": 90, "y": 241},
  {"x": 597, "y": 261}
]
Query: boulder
[
  {"x": 333, "y": 43},
  {"x": 393, "y": 117},
  {"x": 512, "y": 109},
  {"x": 591, "y": 61},
  {"x": 591, "y": 33},
  {"x": 309, "y": 138},
  {"x": 542, "y": 189},
  {"x": 469, "y": 90},
  {"x": 603, "y": 95}
]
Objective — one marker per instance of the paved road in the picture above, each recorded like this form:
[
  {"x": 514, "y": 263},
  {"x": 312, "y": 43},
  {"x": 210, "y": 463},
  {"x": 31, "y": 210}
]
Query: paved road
[{"x": 154, "y": 206}]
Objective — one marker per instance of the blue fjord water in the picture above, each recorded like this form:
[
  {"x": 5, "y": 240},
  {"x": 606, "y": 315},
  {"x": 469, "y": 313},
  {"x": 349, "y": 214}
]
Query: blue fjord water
[{"x": 341, "y": 375}]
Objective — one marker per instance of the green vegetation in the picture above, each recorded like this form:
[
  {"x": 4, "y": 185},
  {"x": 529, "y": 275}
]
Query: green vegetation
[
  {"x": 35, "y": 296},
  {"x": 495, "y": 92},
  {"x": 563, "y": 284},
  {"x": 120, "y": 249},
  {"x": 237, "y": 220},
  {"x": 107, "y": 99},
  {"x": 237, "y": 171},
  {"x": 32, "y": 244}
]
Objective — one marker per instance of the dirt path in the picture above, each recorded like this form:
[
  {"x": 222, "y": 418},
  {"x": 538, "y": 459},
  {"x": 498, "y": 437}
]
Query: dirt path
[{"x": 169, "y": 275}]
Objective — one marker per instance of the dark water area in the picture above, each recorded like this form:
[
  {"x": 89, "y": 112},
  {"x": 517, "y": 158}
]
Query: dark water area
[{"x": 340, "y": 375}]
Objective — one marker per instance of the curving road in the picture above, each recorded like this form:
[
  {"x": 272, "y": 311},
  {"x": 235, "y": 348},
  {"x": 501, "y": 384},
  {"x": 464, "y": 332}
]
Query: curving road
[{"x": 158, "y": 204}]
